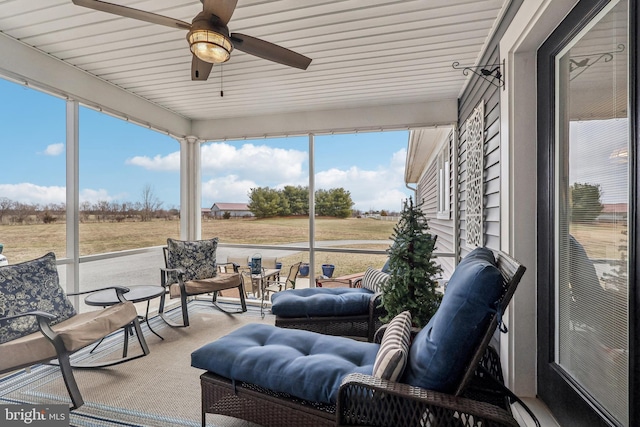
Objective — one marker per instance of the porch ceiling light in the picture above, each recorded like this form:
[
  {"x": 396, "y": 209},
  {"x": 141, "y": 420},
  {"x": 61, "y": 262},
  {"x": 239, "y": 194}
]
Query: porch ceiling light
[
  {"x": 209, "y": 39},
  {"x": 210, "y": 46}
]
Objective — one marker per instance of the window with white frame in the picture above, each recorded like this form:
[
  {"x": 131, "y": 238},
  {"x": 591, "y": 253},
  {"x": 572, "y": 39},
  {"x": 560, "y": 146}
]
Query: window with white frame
[{"x": 444, "y": 180}]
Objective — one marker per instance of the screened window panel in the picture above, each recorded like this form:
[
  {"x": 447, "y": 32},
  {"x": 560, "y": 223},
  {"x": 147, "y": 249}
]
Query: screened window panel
[{"x": 592, "y": 191}]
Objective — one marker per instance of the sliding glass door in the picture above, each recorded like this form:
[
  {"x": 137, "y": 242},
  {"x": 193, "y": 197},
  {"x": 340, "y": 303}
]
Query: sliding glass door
[{"x": 585, "y": 240}]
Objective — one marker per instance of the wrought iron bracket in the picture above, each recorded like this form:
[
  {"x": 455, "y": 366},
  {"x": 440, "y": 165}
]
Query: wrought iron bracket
[
  {"x": 493, "y": 73},
  {"x": 578, "y": 64}
]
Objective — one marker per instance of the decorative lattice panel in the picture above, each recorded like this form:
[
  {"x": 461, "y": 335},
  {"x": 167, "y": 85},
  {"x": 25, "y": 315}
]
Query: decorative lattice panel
[{"x": 475, "y": 168}]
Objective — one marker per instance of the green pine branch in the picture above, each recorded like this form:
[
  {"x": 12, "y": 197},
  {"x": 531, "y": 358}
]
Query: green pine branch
[{"x": 413, "y": 273}]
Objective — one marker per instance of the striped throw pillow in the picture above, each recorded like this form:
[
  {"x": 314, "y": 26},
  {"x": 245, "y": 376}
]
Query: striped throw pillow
[
  {"x": 394, "y": 348},
  {"x": 374, "y": 279}
]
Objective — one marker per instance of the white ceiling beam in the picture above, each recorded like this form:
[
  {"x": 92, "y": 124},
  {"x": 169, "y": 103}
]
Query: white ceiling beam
[
  {"x": 31, "y": 66},
  {"x": 383, "y": 117}
]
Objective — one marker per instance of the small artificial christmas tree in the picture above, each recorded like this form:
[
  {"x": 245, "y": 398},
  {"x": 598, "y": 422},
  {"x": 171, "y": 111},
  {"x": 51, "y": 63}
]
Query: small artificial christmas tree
[{"x": 412, "y": 283}]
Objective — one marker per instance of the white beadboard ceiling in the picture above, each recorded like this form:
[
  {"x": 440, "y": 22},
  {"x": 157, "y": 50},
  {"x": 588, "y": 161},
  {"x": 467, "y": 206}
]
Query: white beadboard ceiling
[{"x": 389, "y": 58}]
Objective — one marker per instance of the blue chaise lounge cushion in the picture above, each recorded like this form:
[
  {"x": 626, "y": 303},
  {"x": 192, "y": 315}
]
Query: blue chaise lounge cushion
[
  {"x": 440, "y": 352},
  {"x": 304, "y": 364},
  {"x": 321, "y": 302}
]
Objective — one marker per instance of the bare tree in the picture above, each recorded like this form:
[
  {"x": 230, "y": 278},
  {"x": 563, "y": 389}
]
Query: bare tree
[
  {"x": 5, "y": 207},
  {"x": 85, "y": 210},
  {"x": 150, "y": 203},
  {"x": 22, "y": 211},
  {"x": 102, "y": 209}
]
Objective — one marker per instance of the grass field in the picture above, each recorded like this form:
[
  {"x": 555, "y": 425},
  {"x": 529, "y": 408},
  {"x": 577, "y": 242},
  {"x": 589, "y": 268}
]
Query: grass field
[
  {"x": 604, "y": 239},
  {"x": 23, "y": 242}
]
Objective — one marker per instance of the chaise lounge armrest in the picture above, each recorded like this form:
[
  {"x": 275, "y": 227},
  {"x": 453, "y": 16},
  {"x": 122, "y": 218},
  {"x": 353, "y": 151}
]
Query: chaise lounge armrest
[
  {"x": 40, "y": 314},
  {"x": 366, "y": 400}
]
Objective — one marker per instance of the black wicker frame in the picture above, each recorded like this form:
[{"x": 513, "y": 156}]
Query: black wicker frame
[{"x": 479, "y": 401}]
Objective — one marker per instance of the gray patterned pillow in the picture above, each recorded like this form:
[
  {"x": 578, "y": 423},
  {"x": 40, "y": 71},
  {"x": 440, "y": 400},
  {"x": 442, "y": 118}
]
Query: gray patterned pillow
[
  {"x": 196, "y": 258},
  {"x": 394, "y": 348},
  {"x": 374, "y": 279},
  {"x": 30, "y": 286}
]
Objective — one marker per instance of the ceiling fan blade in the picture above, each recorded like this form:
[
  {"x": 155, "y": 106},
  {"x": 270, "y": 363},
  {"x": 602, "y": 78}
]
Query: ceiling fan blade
[
  {"x": 200, "y": 69},
  {"x": 223, "y": 9},
  {"x": 269, "y": 51},
  {"x": 133, "y": 13}
]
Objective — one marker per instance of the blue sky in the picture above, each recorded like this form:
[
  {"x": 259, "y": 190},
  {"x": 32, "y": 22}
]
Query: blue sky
[
  {"x": 599, "y": 156},
  {"x": 117, "y": 159}
]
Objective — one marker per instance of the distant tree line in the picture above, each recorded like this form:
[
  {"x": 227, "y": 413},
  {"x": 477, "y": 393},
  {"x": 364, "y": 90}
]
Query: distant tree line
[
  {"x": 148, "y": 208},
  {"x": 265, "y": 202},
  {"x": 586, "y": 203}
]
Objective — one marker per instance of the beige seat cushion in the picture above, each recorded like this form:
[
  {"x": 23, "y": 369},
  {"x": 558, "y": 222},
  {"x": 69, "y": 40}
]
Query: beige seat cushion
[
  {"x": 221, "y": 282},
  {"x": 77, "y": 332}
]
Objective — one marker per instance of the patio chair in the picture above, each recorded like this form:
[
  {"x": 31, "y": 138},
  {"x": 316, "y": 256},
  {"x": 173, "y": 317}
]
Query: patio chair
[
  {"x": 191, "y": 269},
  {"x": 38, "y": 323},
  {"x": 279, "y": 285},
  {"x": 451, "y": 378},
  {"x": 343, "y": 311},
  {"x": 243, "y": 264}
]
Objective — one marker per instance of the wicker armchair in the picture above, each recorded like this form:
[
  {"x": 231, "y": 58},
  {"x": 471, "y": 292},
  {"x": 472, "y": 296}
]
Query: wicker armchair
[{"x": 479, "y": 399}]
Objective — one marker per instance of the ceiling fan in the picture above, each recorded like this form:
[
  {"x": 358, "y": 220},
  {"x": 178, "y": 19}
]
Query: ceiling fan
[{"x": 208, "y": 35}]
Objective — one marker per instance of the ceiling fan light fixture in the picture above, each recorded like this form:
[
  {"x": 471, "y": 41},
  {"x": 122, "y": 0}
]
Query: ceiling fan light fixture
[{"x": 210, "y": 46}]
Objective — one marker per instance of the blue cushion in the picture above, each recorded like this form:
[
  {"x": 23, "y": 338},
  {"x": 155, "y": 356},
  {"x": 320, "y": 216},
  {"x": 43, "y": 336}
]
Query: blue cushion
[
  {"x": 321, "y": 302},
  {"x": 31, "y": 286},
  {"x": 304, "y": 364},
  {"x": 442, "y": 350}
]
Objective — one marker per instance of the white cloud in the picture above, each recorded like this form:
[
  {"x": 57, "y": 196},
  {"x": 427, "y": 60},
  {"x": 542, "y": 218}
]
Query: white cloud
[
  {"x": 94, "y": 196},
  {"x": 228, "y": 189},
  {"x": 230, "y": 172},
  {"x": 382, "y": 188},
  {"x": 262, "y": 163},
  {"x": 43, "y": 195},
  {"x": 53, "y": 149},
  {"x": 170, "y": 162},
  {"x": 33, "y": 194}
]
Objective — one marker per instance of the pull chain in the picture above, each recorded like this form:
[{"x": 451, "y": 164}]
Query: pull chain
[{"x": 221, "y": 91}]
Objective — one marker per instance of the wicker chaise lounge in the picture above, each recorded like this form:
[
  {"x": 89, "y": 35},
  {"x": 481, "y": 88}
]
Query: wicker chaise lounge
[
  {"x": 343, "y": 311},
  {"x": 279, "y": 377}
]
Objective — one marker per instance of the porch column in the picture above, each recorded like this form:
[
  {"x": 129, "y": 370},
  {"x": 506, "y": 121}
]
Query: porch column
[
  {"x": 72, "y": 200},
  {"x": 190, "y": 188},
  {"x": 312, "y": 211}
]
